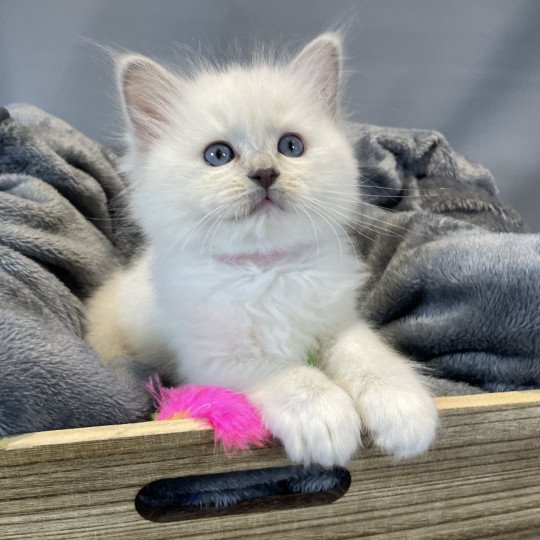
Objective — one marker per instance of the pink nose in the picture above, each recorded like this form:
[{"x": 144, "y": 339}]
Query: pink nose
[{"x": 264, "y": 177}]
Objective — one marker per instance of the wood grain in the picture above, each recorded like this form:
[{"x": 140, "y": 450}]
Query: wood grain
[{"x": 481, "y": 480}]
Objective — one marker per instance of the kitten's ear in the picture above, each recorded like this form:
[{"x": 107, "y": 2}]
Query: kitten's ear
[
  {"x": 320, "y": 63},
  {"x": 148, "y": 93}
]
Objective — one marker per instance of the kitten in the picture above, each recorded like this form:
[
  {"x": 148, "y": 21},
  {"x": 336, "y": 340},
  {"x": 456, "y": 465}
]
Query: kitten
[{"x": 247, "y": 270}]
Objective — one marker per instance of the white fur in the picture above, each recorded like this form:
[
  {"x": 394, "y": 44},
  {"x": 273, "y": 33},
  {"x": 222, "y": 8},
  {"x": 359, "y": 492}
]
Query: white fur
[{"x": 231, "y": 297}]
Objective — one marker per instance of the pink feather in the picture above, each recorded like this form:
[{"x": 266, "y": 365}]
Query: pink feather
[{"x": 237, "y": 424}]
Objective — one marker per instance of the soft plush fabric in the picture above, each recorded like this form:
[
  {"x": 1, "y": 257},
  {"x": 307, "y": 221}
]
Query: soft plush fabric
[
  {"x": 455, "y": 279},
  {"x": 62, "y": 232},
  {"x": 192, "y": 495}
]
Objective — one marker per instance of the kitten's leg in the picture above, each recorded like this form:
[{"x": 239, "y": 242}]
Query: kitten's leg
[
  {"x": 391, "y": 398},
  {"x": 314, "y": 418},
  {"x": 122, "y": 319},
  {"x": 103, "y": 321}
]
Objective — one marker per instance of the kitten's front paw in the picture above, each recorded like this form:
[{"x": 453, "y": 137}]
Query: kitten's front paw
[
  {"x": 315, "y": 419},
  {"x": 403, "y": 422}
]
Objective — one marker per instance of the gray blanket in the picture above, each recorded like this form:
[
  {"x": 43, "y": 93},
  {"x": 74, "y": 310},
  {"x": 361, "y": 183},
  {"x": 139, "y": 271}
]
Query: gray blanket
[{"x": 455, "y": 278}]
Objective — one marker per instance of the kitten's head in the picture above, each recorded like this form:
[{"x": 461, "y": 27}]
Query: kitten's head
[{"x": 240, "y": 158}]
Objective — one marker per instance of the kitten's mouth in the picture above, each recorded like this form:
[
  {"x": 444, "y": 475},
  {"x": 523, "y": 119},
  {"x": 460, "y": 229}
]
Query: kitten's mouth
[{"x": 265, "y": 205}]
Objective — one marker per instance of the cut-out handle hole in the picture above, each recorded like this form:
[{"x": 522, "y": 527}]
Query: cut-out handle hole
[{"x": 257, "y": 490}]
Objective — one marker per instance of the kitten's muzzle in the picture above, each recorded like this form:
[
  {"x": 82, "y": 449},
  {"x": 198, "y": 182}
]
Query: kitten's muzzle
[{"x": 264, "y": 177}]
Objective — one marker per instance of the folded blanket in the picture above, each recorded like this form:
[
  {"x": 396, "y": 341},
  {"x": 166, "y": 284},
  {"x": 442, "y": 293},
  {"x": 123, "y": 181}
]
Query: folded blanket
[
  {"x": 60, "y": 237},
  {"x": 455, "y": 280}
]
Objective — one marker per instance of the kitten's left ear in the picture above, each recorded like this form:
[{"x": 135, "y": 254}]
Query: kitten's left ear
[{"x": 320, "y": 63}]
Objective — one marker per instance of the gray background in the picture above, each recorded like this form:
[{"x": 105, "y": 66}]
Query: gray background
[{"x": 468, "y": 68}]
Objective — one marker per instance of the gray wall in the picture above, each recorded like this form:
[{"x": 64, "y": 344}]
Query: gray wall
[{"x": 468, "y": 68}]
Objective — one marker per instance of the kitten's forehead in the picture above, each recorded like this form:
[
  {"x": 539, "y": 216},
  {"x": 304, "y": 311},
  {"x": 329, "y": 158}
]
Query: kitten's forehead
[{"x": 254, "y": 104}]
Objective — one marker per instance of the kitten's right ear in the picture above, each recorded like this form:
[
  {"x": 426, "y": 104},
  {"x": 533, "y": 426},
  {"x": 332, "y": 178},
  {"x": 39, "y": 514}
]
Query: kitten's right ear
[{"x": 148, "y": 93}]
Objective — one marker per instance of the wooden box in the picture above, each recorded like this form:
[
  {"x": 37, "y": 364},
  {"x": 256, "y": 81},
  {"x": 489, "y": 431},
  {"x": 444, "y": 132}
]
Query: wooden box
[{"x": 481, "y": 480}]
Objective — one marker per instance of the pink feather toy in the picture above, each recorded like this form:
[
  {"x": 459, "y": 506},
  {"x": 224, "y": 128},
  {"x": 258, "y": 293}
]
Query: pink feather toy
[{"x": 236, "y": 423}]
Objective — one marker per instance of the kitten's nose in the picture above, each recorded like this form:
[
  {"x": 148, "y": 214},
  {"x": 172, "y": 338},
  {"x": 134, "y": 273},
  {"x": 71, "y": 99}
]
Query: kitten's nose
[{"x": 264, "y": 177}]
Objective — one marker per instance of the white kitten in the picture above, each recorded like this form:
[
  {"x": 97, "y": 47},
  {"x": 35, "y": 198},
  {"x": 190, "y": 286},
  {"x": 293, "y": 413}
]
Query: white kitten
[{"x": 244, "y": 180}]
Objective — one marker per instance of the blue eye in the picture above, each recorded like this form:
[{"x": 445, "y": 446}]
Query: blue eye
[
  {"x": 290, "y": 145},
  {"x": 218, "y": 154}
]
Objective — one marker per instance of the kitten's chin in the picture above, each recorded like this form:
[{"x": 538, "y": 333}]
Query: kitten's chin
[{"x": 267, "y": 229}]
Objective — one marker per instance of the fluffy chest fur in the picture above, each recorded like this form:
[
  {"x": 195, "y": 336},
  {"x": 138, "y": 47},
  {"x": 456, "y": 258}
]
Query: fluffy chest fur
[{"x": 218, "y": 313}]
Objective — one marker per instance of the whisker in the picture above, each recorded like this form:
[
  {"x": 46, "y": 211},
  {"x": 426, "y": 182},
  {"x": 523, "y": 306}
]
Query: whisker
[
  {"x": 359, "y": 193},
  {"x": 377, "y": 229},
  {"x": 218, "y": 223},
  {"x": 314, "y": 229},
  {"x": 365, "y": 203},
  {"x": 367, "y": 216},
  {"x": 355, "y": 212},
  {"x": 201, "y": 221},
  {"x": 215, "y": 223},
  {"x": 401, "y": 188},
  {"x": 344, "y": 232},
  {"x": 371, "y": 183},
  {"x": 332, "y": 227},
  {"x": 371, "y": 205},
  {"x": 187, "y": 234}
]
